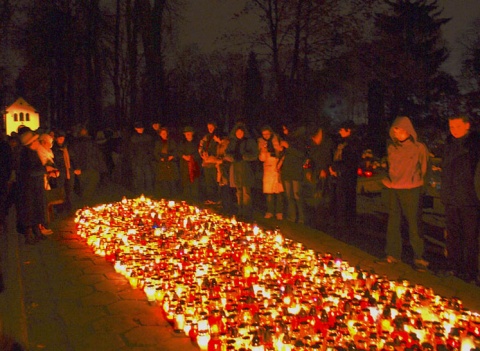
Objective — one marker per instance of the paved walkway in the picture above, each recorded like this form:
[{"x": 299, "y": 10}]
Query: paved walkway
[{"x": 60, "y": 296}]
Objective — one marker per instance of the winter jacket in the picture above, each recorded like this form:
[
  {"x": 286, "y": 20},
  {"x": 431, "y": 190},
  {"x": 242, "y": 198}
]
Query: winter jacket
[
  {"x": 407, "y": 160},
  {"x": 85, "y": 155},
  {"x": 459, "y": 162},
  {"x": 272, "y": 182},
  {"x": 294, "y": 156},
  {"x": 241, "y": 153},
  {"x": 141, "y": 149},
  {"x": 165, "y": 169}
]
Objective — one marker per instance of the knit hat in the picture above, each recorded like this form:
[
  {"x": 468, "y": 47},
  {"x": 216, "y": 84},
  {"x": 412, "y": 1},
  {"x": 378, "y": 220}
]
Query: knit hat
[
  {"x": 28, "y": 137},
  {"x": 188, "y": 129}
]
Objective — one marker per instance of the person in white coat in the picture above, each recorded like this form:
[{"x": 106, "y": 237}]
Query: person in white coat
[{"x": 270, "y": 153}]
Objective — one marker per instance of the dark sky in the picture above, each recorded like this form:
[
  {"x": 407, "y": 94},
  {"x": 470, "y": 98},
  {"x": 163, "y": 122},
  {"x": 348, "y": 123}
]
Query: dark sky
[{"x": 205, "y": 19}]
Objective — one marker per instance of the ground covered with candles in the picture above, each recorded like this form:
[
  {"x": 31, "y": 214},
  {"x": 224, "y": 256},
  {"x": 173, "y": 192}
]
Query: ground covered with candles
[{"x": 231, "y": 285}]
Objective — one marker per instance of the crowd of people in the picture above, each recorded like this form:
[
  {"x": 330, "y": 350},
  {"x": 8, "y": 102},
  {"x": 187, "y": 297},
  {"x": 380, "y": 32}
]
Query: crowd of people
[{"x": 299, "y": 174}]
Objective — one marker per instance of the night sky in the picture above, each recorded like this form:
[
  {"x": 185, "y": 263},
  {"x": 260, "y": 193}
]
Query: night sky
[{"x": 205, "y": 19}]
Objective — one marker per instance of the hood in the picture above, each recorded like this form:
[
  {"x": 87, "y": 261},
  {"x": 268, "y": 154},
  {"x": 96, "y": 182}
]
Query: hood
[
  {"x": 404, "y": 123},
  {"x": 239, "y": 126}
]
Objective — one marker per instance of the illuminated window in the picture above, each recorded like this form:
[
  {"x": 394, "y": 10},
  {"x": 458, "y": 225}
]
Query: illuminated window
[
  {"x": 15, "y": 117},
  {"x": 27, "y": 117},
  {"x": 21, "y": 116}
]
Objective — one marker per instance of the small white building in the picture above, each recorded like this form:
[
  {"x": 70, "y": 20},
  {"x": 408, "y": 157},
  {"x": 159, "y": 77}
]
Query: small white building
[{"x": 20, "y": 113}]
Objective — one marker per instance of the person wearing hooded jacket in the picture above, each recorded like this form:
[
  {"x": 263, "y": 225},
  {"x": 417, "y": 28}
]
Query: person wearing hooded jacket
[
  {"x": 241, "y": 152},
  {"x": 407, "y": 166}
]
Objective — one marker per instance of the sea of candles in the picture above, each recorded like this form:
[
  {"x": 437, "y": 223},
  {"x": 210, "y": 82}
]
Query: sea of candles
[{"x": 231, "y": 285}]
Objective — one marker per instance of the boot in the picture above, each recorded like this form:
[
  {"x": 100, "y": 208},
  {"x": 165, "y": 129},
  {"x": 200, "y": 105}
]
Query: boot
[
  {"x": 38, "y": 234},
  {"x": 29, "y": 236}
]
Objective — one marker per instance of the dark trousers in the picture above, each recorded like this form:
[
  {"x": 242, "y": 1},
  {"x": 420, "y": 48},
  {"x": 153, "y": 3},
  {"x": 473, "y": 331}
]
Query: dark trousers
[
  {"x": 344, "y": 206},
  {"x": 244, "y": 202},
  {"x": 404, "y": 203},
  {"x": 462, "y": 239},
  {"x": 166, "y": 189},
  {"x": 211, "y": 184},
  {"x": 227, "y": 197}
]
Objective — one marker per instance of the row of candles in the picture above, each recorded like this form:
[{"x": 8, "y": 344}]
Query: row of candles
[{"x": 232, "y": 285}]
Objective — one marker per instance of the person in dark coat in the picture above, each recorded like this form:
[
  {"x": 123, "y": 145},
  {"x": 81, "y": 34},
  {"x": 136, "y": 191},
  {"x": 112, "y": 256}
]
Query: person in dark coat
[
  {"x": 241, "y": 152},
  {"x": 88, "y": 163},
  {"x": 319, "y": 152},
  {"x": 343, "y": 170},
  {"x": 291, "y": 169},
  {"x": 63, "y": 163},
  {"x": 141, "y": 160},
  {"x": 31, "y": 188},
  {"x": 206, "y": 148},
  {"x": 460, "y": 160},
  {"x": 166, "y": 166},
  {"x": 190, "y": 162}
]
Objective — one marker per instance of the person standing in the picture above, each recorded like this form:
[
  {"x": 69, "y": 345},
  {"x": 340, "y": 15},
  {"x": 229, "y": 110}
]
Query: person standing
[
  {"x": 166, "y": 169},
  {"x": 62, "y": 161},
  {"x": 270, "y": 153},
  {"x": 318, "y": 155},
  {"x": 459, "y": 162},
  {"x": 189, "y": 166},
  {"x": 343, "y": 170},
  {"x": 207, "y": 148},
  {"x": 241, "y": 152},
  {"x": 291, "y": 169},
  {"x": 141, "y": 160},
  {"x": 88, "y": 163},
  {"x": 31, "y": 188},
  {"x": 407, "y": 160}
]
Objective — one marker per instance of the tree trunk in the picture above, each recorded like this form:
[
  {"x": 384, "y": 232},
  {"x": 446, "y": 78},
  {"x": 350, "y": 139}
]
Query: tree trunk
[{"x": 151, "y": 28}]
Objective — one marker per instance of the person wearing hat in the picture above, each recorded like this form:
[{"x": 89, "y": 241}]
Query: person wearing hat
[
  {"x": 141, "y": 160},
  {"x": 31, "y": 188},
  {"x": 190, "y": 162},
  {"x": 241, "y": 152},
  {"x": 343, "y": 171}
]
